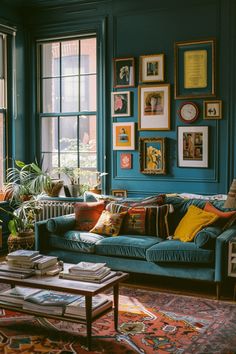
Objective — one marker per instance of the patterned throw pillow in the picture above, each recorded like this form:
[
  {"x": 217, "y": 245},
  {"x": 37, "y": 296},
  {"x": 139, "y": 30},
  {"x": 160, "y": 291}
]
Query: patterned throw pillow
[
  {"x": 109, "y": 224},
  {"x": 87, "y": 214},
  {"x": 157, "y": 220},
  {"x": 135, "y": 222},
  {"x": 122, "y": 205}
]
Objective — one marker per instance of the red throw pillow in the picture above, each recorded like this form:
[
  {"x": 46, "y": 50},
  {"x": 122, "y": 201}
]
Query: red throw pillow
[
  {"x": 87, "y": 214},
  {"x": 226, "y": 217}
]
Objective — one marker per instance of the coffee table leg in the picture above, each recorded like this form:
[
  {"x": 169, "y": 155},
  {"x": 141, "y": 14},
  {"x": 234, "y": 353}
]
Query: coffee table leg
[
  {"x": 116, "y": 304},
  {"x": 88, "y": 304}
]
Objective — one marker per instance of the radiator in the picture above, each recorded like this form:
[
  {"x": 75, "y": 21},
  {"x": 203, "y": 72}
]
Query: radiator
[{"x": 50, "y": 209}]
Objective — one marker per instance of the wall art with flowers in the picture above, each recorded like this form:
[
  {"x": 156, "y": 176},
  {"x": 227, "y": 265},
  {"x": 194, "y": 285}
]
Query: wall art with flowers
[
  {"x": 123, "y": 72},
  {"x": 120, "y": 104}
]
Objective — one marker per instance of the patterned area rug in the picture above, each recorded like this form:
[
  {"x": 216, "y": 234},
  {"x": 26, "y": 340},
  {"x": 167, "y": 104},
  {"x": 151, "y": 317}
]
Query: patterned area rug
[{"x": 149, "y": 322}]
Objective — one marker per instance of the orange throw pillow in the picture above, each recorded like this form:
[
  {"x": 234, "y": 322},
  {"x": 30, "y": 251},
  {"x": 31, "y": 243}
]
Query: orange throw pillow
[
  {"x": 87, "y": 214},
  {"x": 226, "y": 218}
]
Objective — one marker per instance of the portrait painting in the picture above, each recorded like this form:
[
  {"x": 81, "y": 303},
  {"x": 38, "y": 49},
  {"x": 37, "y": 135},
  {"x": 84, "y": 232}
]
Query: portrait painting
[
  {"x": 151, "y": 68},
  {"x": 123, "y": 136}
]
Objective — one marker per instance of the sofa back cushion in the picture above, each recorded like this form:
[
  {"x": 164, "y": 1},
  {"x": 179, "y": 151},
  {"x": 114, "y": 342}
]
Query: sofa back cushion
[{"x": 87, "y": 214}]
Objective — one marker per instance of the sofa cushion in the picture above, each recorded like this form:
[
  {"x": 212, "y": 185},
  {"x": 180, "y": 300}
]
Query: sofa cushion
[
  {"x": 87, "y": 214},
  {"x": 193, "y": 221},
  {"x": 206, "y": 237},
  {"x": 61, "y": 224},
  {"x": 75, "y": 241},
  {"x": 180, "y": 252},
  {"x": 109, "y": 224},
  {"x": 131, "y": 246}
]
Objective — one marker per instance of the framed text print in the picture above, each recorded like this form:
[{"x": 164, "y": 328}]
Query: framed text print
[
  {"x": 123, "y": 136},
  {"x": 195, "y": 69},
  {"x": 193, "y": 146},
  {"x": 154, "y": 107}
]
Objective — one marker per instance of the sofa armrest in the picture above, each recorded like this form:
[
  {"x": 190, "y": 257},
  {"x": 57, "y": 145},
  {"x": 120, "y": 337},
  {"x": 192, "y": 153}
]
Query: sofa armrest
[
  {"x": 43, "y": 229},
  {"x": 221, "y": 253}
]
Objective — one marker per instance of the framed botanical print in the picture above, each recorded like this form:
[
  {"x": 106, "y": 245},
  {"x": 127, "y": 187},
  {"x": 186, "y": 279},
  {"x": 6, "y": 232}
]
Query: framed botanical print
[
  {"x": 120, "y": 104},
  {"x": 151, "y": 68},
  {"x": 123, "y": 136},
  {"x": 195, "y": 69},
  {"x": 152, "y": 155},
  {"x": 212, "y": 109},
  {"x": 154, "y": 107},
  {"x": 193, "y": 146},
  {"x": 123, "y": 72}
]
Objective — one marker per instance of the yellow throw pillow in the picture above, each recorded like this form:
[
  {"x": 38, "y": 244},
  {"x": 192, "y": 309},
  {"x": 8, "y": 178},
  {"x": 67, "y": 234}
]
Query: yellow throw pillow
[
  {"x": 109, "y": 224},
  {"x": 193, "y": 221}
]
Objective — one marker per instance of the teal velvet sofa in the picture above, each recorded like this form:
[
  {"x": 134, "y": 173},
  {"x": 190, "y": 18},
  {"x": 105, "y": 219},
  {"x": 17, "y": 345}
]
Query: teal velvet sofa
[{"x": 205, "y": 258}]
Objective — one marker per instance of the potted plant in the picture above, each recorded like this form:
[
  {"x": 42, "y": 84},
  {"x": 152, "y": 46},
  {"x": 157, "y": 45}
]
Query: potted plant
[
  {"x": 22, "y": 218},
  {"x": 24, "y": 180},
  {"x": 78, "y": 178}
]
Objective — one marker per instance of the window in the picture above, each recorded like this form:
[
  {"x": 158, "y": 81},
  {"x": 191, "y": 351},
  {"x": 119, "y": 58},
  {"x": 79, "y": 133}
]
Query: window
[
  {"x": 2, "y": 105},
  {"x": 68, "y": 103}
]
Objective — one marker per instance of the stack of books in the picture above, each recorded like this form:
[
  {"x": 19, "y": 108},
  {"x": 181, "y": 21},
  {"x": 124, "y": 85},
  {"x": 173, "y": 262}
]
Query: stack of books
[
  {"x": 89, "y": 272},
  {"x": 16, "y": 296},
  {"x": 50, "y": 302},
  {"x": 24, "y": 263},
  {"x": 77, "y": 308}
]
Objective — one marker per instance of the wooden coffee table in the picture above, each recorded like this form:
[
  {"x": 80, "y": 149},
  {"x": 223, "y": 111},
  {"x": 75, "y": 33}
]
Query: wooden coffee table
[{"x": 74, "y": 287}]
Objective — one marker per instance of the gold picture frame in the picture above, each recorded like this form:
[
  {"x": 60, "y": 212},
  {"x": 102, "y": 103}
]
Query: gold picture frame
[
  {"x": 154, "y": 107},
  {"x": 212, "y": 109},
  {"x": 152, "y": 155},
  {"x": 151, "y": 68},
  {"x": 120, "y": 193},
  {"x": 195, "y": 69}
]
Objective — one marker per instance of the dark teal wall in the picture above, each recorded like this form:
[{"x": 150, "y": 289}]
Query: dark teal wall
[{"x": 134, "y": 28}]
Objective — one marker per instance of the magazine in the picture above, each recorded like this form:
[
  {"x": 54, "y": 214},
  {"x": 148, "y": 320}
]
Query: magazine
[
  {"x": 70, "y": 276},
  {"x": 77, "y": 308}
]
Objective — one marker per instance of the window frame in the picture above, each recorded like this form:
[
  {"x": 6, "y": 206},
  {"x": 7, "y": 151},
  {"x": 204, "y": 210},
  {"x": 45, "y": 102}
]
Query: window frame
[{"x": 62, "y": 114}]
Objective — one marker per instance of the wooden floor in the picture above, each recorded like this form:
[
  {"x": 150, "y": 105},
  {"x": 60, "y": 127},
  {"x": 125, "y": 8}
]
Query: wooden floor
[{"x": 181, "y": 286}]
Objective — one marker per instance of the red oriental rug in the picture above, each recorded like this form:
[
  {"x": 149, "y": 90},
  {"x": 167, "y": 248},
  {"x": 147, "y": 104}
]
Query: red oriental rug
[{"x": 149, "y": 322}]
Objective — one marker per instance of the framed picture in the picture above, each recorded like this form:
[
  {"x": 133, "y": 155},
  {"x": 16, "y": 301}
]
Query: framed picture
[
  {"x": 154, "y": 107},
  {"x": 195, "y": 69},
  {"x": 123, "y": 72},
  {"x": 126, "y": 161},
  {"x": 212, "y": 109},
  {"x": 120, "y": 193},
  {"x": 152, "y": 155},
  {"x": 120, "y": 104},
  {"x": 193, "y": 146},
  {"x": 123, "y": 136},
  {"x": 151, "y": 68}
]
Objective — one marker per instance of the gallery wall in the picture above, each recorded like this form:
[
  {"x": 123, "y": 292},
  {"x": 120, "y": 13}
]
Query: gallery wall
[{"x": 130, "y": 29}]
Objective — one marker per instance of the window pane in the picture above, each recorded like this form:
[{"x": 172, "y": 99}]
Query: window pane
[
  {"x": 70, "y": 58},
  {"x": 87, "y": 142},
  {"x": 88, "y": 56},
  {"x": 88, "y": 89},
  {"x": 51, "y": 95},
  {"x": 50, "y": 161},
  {"x": 68, "y": 135},
  {"x": 2, "y": 99},
  {"x": 51, "y": 59},
  {"x": 70, "y": 96},
  {"x": 49, "y": 134},
  {"x": 1, "y": 149},
  {"x": 69, "y": 159}
]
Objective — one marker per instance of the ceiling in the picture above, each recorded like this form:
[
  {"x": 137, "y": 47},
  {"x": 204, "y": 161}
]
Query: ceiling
[{"x": 45, "y": 3}]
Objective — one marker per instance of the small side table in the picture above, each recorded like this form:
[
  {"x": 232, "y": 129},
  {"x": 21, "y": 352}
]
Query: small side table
[
  {"x": 20, "y": 242},
  {"x": 232, "y": 262}
]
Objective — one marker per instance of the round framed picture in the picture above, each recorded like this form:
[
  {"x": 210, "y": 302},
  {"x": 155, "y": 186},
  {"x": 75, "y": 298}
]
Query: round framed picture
[{"x": 188, "y": 112}]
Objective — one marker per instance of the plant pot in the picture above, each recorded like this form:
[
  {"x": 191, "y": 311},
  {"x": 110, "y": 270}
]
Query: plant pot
[
  {"x": 55, "y": 188},
  {"x": 72, "y": 190}
]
